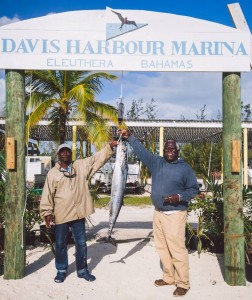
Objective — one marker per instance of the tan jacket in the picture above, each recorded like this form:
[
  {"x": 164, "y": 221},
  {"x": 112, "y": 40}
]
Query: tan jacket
[{"x": 69, "y": 199}]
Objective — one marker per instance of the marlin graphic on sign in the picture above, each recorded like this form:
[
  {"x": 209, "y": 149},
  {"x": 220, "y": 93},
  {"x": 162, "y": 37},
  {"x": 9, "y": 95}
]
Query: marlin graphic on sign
[
  {"x": 124, "y": 20},
  {"x": 116, "y": 29}
]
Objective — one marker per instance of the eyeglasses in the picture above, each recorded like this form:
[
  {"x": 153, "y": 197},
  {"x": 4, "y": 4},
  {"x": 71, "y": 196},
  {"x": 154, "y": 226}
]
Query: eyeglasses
[{"x": 68, "y": 174}]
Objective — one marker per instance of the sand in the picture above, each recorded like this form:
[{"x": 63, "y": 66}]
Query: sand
[{"x": 125, "y": 272}]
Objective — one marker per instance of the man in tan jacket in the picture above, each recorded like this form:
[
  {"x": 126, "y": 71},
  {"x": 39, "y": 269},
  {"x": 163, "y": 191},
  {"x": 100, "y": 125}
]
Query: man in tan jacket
[{"x": 66, "y": 201}]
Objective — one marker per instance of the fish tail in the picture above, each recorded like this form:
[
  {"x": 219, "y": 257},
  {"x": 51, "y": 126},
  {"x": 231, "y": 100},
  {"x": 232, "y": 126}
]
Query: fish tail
[
  {"x": 111, "y": 241},
  {"x": 107, "y": 239}
]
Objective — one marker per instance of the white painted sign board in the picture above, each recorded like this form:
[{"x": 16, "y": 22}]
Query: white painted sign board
[{"x": 128, "y": 40}]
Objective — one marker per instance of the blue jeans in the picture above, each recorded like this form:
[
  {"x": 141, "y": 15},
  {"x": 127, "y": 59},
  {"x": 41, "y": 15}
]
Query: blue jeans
[{"x": 79, "y": 235}]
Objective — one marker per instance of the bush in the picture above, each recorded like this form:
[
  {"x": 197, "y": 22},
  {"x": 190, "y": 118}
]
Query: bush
[
  {"x": 209, "y": 209},
  {"x": 2, "y": 199}
]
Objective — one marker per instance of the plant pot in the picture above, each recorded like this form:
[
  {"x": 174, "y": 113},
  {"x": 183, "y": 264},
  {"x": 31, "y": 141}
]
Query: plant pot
[
  {"x": 218, "y": 244},
  {"x": 193, "y": 244},
  {"x": 1, "y": 239},
  {"x": 30, "y": 238},
  {"x": 194, "y": 241},
  {"x": 47, "y": 235}
]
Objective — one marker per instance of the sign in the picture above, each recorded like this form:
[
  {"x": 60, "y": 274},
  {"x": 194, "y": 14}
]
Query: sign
[{"x": 128, "y": 40}]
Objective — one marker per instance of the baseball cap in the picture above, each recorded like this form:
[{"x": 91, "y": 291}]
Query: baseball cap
[{"x": 64, "y": 146}]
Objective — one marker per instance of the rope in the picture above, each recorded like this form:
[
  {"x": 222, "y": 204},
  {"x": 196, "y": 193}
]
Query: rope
[
  {"x": 26, "y": 165},
  {"x": 121, "y": 105},
  {"x": 121, "y": 96},
  {"x": 29, "y": 112}
]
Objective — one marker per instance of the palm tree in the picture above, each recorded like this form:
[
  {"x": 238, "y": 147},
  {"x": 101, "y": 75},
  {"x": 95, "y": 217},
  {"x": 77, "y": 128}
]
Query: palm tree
[{"x": 59, "y": 95}]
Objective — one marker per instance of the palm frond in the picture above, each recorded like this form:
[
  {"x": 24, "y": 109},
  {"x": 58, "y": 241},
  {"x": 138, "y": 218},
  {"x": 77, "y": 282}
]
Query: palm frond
[
  {"x": 44, "y": 82},
  {"x": 75, "y": 92},
  {"x": 94, "y": 81},
  {"x": 38, "y": 114},
  {"x": 106, "y": 111},
  {"x": 34, "y": 99},
  {"x": 2, "y": 166}
]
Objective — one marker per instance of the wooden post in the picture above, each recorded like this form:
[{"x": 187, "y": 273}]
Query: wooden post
[
  {"x": 74, "y": 130},
  {"x": 234, "y": 269},
  {"x": 14, "y": 249},
  {"x": 161, "y": 141},
  {"x": 245, "y": 157}
]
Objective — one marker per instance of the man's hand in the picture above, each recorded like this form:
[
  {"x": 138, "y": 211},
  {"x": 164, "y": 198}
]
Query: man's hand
[
  {"x": 113, "y": 144},
  {"x": 171, "y": 199},
  {"x": 125, "y": 133},
  {"x": 49, "y": 220}
]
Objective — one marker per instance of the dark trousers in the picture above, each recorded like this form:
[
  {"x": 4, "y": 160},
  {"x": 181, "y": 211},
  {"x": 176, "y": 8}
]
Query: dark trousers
[{"x": 79, "y": 235}]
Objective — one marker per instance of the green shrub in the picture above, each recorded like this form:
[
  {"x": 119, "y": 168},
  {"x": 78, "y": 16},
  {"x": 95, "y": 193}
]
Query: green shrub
[{"x": 2, "y": 188}]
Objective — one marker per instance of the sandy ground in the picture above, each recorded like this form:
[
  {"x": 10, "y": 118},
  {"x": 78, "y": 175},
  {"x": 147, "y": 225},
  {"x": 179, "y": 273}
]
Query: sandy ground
[{"x": 125, "y": 272}]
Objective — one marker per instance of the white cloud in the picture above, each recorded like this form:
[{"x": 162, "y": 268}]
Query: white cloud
[
  {"x": 177, "y": 94},
  {"x": 246, "y": 88},
  {"x": 5, "y": 20}
]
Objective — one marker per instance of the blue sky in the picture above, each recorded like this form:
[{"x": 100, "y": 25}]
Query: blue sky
[{"x": 176, "y": 94}]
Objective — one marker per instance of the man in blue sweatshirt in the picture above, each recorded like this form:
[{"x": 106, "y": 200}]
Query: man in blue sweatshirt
[{"x": 174, "y": 184}]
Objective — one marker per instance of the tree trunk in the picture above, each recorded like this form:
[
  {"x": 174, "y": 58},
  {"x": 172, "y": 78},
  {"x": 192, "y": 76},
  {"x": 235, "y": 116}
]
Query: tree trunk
[{"x": 62, "y": 126}]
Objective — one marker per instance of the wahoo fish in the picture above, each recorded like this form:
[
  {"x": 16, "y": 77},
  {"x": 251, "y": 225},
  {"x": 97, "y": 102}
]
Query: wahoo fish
[{"x": 117, "y": 188}]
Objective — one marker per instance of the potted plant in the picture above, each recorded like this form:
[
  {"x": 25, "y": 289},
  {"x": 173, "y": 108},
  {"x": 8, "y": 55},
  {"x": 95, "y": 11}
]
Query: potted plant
[
  {"x": 198, "y": 238},
  {"x": 208, "y": 207},
  {"x": 247, "y": 217},
  {"x": 2, "y": 199},
  {"x": 32, "y": 216},
  {"x": 209, "y": 233}
]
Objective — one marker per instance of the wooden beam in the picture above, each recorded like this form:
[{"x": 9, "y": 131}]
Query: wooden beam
[
  {"x": 238, "y": 17},
  {"x": 245, "y": 157},
  {"x": 234, "y": 254},
  {"x": 161, "y": 140},
  {"x": 15, "y": 194},
  {"x": 74, "y": 142},
  {"x": 240, "y": 22}
]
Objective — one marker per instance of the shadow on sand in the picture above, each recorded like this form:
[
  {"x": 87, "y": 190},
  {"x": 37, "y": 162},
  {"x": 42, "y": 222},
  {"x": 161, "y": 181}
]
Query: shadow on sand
[
  {"x": 41, "y": 262},
  {"x": 96, "y": 251}
]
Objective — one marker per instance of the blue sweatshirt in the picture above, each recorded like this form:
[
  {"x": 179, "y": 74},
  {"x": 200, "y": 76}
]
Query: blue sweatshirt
[{"x": 167, "y": 178}]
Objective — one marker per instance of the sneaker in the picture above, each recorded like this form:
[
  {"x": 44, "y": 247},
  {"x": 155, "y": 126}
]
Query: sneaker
[
  {"x": 86, "y": 275},
  {"x": 60, "y": 277}
]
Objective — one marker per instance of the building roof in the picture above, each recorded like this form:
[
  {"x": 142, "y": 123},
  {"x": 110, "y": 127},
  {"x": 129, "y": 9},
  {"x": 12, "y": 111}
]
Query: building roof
[{"x": 184, "y": 131}]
